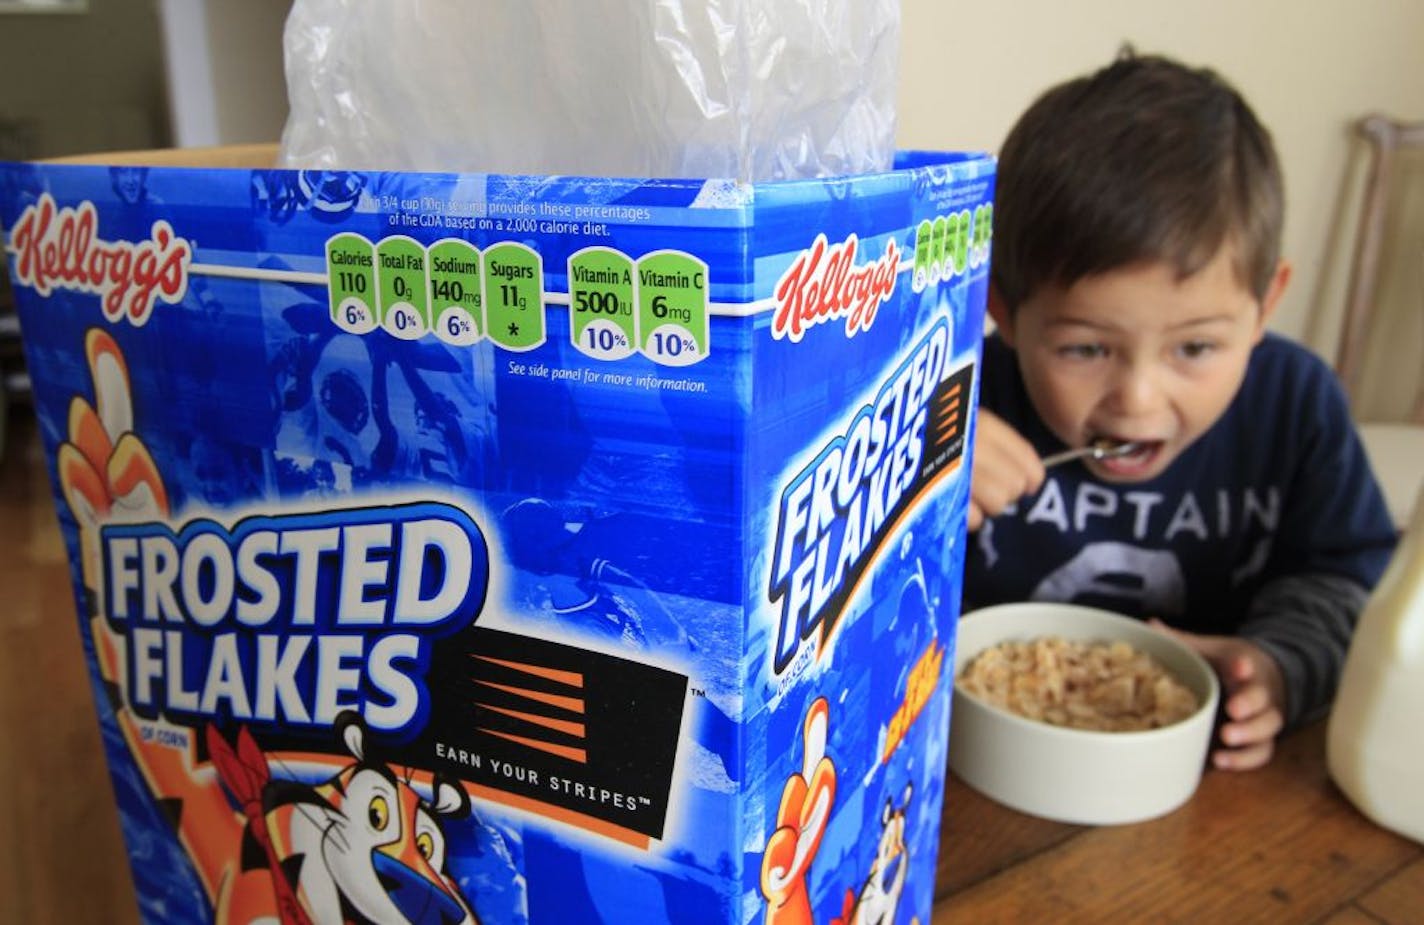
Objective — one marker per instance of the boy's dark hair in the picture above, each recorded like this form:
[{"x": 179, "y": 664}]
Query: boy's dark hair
[{"x": 1144, "y": 160}]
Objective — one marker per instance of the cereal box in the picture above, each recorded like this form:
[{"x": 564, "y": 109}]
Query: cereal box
[{"x": 474, "y": 548}]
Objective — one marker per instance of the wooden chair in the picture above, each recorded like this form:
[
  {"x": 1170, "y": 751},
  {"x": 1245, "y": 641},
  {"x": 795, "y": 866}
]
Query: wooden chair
[{"x": 1395, "y": 448}]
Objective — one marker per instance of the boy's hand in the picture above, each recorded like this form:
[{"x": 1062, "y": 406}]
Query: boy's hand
[
  {"x": 1006, "y": 468},
  {"x": 1252, "y": 695}
]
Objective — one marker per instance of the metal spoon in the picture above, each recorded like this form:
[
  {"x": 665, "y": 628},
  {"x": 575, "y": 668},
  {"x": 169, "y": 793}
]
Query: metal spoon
[{"x": 1101, "y": 448}]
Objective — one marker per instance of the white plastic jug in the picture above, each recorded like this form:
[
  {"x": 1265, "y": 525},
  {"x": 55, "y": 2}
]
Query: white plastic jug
[{"x": 1375, "y": 741}]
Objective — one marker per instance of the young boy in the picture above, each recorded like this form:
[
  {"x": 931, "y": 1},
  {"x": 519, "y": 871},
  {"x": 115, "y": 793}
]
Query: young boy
[{"x": 1136, "y": 263}]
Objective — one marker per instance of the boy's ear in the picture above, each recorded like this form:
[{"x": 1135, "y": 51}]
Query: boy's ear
[
  {"x": 1272, "y": 298},
  {"x": 1003, "y": 318}
]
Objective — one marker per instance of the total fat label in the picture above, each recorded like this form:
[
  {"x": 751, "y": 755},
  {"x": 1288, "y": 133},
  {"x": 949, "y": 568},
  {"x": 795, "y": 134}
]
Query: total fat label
[{"x": 404, "y": 299}]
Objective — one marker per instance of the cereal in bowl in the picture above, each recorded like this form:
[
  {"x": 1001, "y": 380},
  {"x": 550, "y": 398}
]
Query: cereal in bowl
[{"x": 1102, "y": 686}]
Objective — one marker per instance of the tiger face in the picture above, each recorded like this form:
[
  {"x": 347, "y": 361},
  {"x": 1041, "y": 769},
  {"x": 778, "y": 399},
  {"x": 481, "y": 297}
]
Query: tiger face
[{"x": 367, "y": 846}]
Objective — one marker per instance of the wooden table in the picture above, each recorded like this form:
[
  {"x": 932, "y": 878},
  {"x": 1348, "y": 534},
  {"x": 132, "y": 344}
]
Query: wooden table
[
  {"x": 62, "y": 858},
  {"x": 1280, "y": 844},
  {"x": 1277, "y": 845}
]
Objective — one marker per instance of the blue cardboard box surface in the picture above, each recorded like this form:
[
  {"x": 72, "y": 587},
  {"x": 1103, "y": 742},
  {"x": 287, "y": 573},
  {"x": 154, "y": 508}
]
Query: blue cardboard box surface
[{"x": 466, "y": 548}]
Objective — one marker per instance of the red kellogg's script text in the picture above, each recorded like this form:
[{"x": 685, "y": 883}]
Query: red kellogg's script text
[
  {"x": 60, "y": 249},
  {"x": 824, "y": 284}
]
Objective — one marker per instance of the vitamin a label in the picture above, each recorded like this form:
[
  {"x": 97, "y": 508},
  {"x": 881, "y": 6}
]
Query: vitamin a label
[{"x": 601, "y": 299}]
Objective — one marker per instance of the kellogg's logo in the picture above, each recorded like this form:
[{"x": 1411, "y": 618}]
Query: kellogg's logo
[
  {"x": 824, "y": 283},
  {"x": 60, "y": 249}
]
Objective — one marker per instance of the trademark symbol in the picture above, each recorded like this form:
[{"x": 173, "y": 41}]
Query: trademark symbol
[{"x": 698, "y": 692}]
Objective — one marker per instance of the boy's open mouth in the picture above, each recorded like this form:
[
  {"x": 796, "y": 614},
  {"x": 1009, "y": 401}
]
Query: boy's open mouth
[{"x": 1131, "y": 463}]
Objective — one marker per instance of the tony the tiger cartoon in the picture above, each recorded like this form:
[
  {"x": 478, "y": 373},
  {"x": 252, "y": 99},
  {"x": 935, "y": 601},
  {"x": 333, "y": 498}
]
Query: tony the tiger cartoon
[{"x": 361, "y": 846}]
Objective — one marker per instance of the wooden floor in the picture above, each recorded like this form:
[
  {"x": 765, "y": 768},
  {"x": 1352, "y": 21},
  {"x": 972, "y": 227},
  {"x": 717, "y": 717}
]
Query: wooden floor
[{"x": 62, "y": 859}]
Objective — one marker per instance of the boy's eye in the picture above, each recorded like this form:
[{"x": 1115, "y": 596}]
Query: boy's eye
[
  {"x": 1196, "y": 349},
  {"x": 1082, "y": 351}
]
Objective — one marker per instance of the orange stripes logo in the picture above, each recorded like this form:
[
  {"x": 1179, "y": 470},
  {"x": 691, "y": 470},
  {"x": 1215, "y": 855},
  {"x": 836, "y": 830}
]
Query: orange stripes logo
[
  {"x": 949, "y": 418},
  {"x": 570, "y": 709},
  {"x": 570, "y": 734}
]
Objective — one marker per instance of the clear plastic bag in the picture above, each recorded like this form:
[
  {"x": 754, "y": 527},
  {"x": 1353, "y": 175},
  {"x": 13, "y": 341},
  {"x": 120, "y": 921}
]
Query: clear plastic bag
[{"x": 740, "y": 89}]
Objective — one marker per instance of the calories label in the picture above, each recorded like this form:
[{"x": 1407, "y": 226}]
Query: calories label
[{"x": 351, "y": 281}]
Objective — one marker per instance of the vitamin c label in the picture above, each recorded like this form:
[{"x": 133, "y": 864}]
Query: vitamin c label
[{"x": 672, "y": 308}]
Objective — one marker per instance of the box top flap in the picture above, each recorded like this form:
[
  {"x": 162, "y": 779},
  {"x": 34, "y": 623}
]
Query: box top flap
[{"x": 249, "y": 155}]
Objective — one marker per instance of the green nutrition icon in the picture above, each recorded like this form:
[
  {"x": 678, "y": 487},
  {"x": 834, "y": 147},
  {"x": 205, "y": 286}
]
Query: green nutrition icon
[
  {"x": 457, "y": 292},
  {"x": 603, "y": 323},
  {"x": 351, "y": 282},
  {"x": 404, "y": 298},
  {"x": 672, "y": 308},
  {"x": 514, "y": 290}
]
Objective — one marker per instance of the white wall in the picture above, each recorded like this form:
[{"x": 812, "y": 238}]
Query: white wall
[
  {"x": 1308, "y": 67},
  {"x": 224, "y": 65},
  {"x": 71, "y": 83}
]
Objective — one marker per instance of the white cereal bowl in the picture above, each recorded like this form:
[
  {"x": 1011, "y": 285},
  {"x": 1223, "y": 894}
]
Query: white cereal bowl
[{"x": 1075, "y": 775}]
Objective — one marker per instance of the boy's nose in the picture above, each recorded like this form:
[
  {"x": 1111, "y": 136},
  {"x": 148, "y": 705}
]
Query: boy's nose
[{"x": 1136, "y": 390}]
